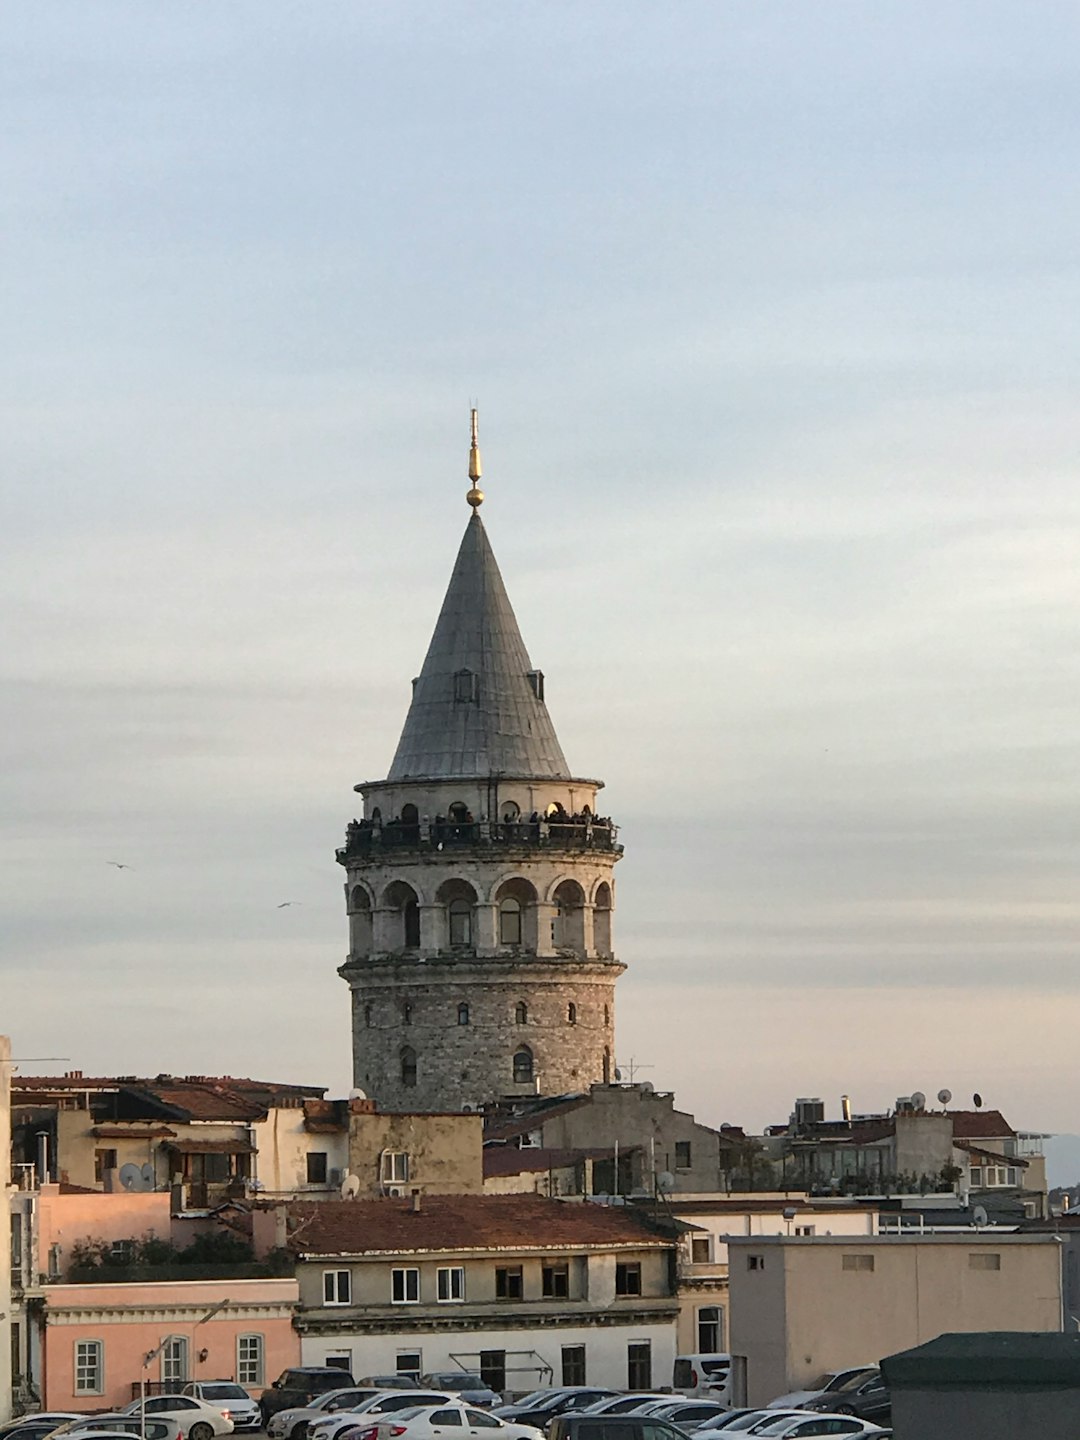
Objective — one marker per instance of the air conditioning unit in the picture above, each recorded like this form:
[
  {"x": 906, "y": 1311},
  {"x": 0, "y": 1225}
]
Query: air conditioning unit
[{"x": 395, "y": 1190}]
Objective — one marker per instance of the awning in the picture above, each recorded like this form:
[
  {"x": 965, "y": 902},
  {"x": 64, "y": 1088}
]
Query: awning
[
  {"x": 213, "y": 1147},
  {"x": 131, "y": 1132}
]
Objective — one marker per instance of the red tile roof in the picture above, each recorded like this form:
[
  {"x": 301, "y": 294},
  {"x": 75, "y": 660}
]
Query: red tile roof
[
  {"x": 510, "y": 1160},
  {"x": 980, "y": 1125},
  {"x": 462, "y": 1223}
]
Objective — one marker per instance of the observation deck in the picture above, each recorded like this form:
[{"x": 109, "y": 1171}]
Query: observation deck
[{"x": 366, "y": 839}]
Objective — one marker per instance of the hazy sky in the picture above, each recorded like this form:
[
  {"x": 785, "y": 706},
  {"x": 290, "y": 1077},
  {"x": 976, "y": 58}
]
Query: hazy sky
[{"x": 771, "y": 312}]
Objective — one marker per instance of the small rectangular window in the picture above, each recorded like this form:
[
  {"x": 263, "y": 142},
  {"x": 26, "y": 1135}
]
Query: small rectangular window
[
  {"x": 337, "y": 1287},
  {"x": 509, "y": 1284},
  {"x": 405, "y": 1286},
  {"x": 555, "y": 1282},
  {"x": 628, "y": 1279},
  {"x": 451, "y": 1283},
  {"x": 89, "y": 1367},
  {"x": 395, "y": 1167},
  {"x": 103, "y": 1160},
  {"x": 639, "y": 1365},
  {"x": 710, "y": 1331},
  {"x": 682, "y": 1154},
  {"x": 857, "y": 1262},
  {"x": 755, "y": 1262},
  {"x": 493, "y": 1369},
  {"x": 573, "y": 1365},
  {"x": 409, "y": 1362},
  {"x": 984, "y": 1261},
  {"x": 316, "y": 1167},
  {"x": 699, "y": 1249},
  {"x": 249, "y": 1359},
  {"x": 804, "y": 1230}
]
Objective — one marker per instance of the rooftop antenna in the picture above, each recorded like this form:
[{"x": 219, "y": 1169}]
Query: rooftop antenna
[
  {"x": 944, "y": 1096},
  {"x": 630, "y": 1068},
  {"x": 475, "y": 495}
]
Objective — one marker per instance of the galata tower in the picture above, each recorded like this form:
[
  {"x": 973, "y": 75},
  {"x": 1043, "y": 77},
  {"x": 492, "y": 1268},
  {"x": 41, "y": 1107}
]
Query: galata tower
[{"x": 480, "y": 884}]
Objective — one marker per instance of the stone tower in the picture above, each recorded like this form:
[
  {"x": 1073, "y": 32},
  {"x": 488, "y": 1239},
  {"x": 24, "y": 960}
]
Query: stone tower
[{"x": 480, "y": 885}]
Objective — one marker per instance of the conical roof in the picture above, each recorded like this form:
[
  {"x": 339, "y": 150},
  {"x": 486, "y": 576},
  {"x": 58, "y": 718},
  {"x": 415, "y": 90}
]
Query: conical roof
[{"x": 476, "y": 710}]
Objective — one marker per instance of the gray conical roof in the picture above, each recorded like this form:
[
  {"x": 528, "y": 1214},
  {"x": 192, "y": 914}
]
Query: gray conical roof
[{"x": 475, "y": 711}]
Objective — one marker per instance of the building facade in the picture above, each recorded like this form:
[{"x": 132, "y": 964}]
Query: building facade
[{"x": 480, "y": 886}]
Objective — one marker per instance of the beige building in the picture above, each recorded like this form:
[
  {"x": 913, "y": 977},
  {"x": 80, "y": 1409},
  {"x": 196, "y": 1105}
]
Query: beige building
[
  {"x": 804, "y": 1305},
  {"x": 529, "y": 1291},
  {"x": 406, "y": 1154}
]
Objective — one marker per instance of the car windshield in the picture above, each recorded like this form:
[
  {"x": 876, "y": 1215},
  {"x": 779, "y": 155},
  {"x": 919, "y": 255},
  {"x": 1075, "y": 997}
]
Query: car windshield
[
  {"x": 535, "y": 1398},
  {"x": 778, "y": 1427},
  {"x": 749, "y": 1420},
  {"x": 224, "y": 1392},
  {"x": 408, "y": 1413},
  {"x": 839, "y": 1379}
]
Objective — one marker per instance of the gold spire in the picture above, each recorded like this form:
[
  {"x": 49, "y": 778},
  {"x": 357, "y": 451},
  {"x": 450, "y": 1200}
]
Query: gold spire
[{"x": 475, "y": 496}]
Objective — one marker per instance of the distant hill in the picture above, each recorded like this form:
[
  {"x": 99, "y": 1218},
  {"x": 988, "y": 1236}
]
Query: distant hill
[{"x": 1063, "y": 1160}]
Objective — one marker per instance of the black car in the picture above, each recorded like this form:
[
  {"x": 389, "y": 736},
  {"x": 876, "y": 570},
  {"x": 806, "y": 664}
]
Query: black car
[
  {"x": 866, "y": 1396},
  {"x": 299, "y": 1386},
  {"x": 613, "y": 1427},
  {"x": 543, "y": 1405}
]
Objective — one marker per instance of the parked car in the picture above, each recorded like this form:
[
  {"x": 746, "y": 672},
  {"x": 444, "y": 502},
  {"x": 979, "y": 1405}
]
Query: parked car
[
  {"x": 383, "y": 1402},
  {"x": 294, "y": 1423},
  {"x": 705, "y": 1375},
  {"x": 230, "y": 1398},
  {"x": 466, "y": 1383},
  {"x": 157, "y": 1427},
  {"x": 828, "y": 1384},
  {"x": 743, "y": 1422},
  {"x": 541, "y": 1406},
  {"x": 33, "y": 1427},
  {"x": 726, "y": 1420},
  {"x": 299, "y": 1386},
  {"x": 631, "y": 1426},
  {"x": 394, "y": 1382},
  {"x": 866, "y": 1396},
  {"x": 623, "y": 1404},
  {"x": 197, "y": 1420},
  {"x": 686, "y": 1414},
  {"x": 39, "y": 1417},
  {"x": 795, "y": 1427},
  {"x": 446, "y": 1422}
]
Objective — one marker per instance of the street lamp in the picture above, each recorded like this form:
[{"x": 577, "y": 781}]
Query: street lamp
[{"x": 151, "y": 1356}]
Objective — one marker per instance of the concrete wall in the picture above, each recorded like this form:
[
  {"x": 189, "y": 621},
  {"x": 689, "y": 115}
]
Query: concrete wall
[
  {"x": 64, "y": 1220},
  {"x": 284, "y": 1144},
  {"x": 130, "y": 1320},
  {"x": 445, "y": 1151},
  {"x": 923, "y": 1143},
  {"x": 801, "y": 1311}
]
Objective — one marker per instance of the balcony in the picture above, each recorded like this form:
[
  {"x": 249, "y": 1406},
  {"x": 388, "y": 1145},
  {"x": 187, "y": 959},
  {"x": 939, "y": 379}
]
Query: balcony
[{"x": 365, "y": 840}]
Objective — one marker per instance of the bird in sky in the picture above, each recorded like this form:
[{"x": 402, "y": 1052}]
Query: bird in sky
[
  {"x": 286, "y": 903},
  {"x": 119, "y": 866}
]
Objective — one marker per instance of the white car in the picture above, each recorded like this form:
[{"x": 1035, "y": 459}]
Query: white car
[
  {"x": 448, "y": 1422},
  {"x": 625, "y": 1404},
  {"x": 795, "y": 1427},
  {"x": 156, "y": 1427},
  {"x": 197, "y": 1419},
  {"x": 386, "y": 1402},
  {"x": 745, "y": 1424},
  {"x": 231, "y": 1399}
]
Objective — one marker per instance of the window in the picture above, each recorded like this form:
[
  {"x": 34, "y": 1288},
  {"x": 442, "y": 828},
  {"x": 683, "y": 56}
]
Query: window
[
  {"x": 174, "y": 1362},
  {"x": 755, "y": 1262},
  {"x": 446, "y": 1417},
  {"x": 406, "y": 1012},
  {"x": 408, "y": 1066},
  {"x": 339, "y": 1360},
  {"x": 510, "y": 923},
  {"x": 405, "y": 1286},
  {"x": 521, "y": 1013},
  {"x": 54, "y": 1262},
  {"x": 573, "y": 1365},
  {"x": 555, "y": 1281},
  {"x": 89, "y": 1367},
  {"x": 395, "y": 1167},
  {"x": 316, "y": 1167},
  {"x": 710, "y": 1330},
  {"x": 607, "y": 1014},
  {"x": 571, "y": 1013},
  {"x": 409, "y": 1362},
  {"x": 249, "y": 1360},
  {"x": 508, "y": 1284},
  {"x": 479, "y": 1421},
  {"x": 628, "y": 1281},
  {"x": 639, "y": 1365},
  {"x": 16, "y": 1241},
  {"x": 103, "y": 1160},
  {"x": 465, "y": 687},
  {"x": 368, "y": 1015},
  {"x": 337, "y": 1287},
  {"x": 460, "y": 923},
  {"x": 699, "y": 1254},
  {"x": 493, "y": 1369},
  {"x": 523, "y": 1066},
  {"x": 805, "y": 1230},
  {"x": 682, "y": 1154},
  {"x": 984, "y": 1261},
  {"x": 857, "y": 1262},
  {"x": 411, "y": 918},
  {"x": 451, "y": 1283},
  {"x": 463, "y": 1014}
]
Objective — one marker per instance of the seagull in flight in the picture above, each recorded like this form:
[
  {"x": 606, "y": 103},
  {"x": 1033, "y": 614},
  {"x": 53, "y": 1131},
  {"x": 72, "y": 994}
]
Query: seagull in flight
[
  {"x": 286, "y": 903},
  {"x": 119, "y": 866}
]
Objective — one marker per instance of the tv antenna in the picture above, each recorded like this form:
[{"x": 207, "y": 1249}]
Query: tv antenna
[{"x": 630, "y": 1069}]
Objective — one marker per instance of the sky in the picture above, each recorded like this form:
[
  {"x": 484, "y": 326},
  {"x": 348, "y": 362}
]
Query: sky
[{"x": 770, "y": 313}]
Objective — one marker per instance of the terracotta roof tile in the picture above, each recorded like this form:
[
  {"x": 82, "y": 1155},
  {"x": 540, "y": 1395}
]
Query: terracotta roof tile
[
  {"x": 510, "y": 1160},
  {"x": 980, "y": 1125},
  {"x": 462, "y": 1222}
]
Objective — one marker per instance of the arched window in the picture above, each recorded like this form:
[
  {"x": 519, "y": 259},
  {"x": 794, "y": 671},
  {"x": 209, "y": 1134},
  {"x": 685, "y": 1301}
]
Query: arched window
[
  {"x": 402, "y": 906},
  {"x": 510, "y": 921},
  {"x": 602, "y": 919},
  {"x": 521, "y": 1013},
  {"x": 568, "y": 928},
  {"x": 523, "y": 1066},
  {"x": 408, "y": 1066},
  {"x": 376, "y": 816},
  {"x": 409, "y": 815},
  {"x": 367, "y": 1016},
  {"x": 174, "y": 1362},
  {"x": 607, "y": 1014},
  {"x": 460, "y": 923},
  {"x": 411, "y": 917},
  {"x": 360, "y": 930},
  {"x": 458, "y": 812},
  {"x": 406, "y": 1012},
  {"x": 463, "y": 1014},
  {"x": 607, "y": 1066},
  {"x": 511, "y": 812},
  {"x": 571, "y": 1013}
]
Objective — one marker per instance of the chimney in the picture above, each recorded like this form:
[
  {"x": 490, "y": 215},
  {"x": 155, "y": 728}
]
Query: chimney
[{"x": 416, "y": 1202}]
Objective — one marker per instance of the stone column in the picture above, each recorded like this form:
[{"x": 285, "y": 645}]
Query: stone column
[
  {"x": 431, "y": 928},
  {"x": 485, "y": 920}
]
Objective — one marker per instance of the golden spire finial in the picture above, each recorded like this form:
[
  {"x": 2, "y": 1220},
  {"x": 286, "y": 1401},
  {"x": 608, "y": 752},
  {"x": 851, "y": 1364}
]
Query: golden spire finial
[{"x": 475, "y": 496}]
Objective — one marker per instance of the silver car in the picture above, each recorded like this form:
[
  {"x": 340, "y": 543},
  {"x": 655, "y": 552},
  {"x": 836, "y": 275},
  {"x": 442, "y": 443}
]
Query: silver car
[{"x": 293, "y": 1424}]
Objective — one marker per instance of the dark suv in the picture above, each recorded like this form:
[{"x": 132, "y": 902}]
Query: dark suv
[
  {"x": 613, "y": 1427},
  {"x": 299, "y": 1386}
]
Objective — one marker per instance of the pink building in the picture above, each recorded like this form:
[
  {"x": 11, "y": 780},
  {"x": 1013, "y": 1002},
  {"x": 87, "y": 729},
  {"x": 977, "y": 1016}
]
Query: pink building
[{"x": 83, "y": 1342}]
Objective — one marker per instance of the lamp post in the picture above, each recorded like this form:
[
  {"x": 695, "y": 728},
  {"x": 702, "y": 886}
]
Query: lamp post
[{"x": 151, "y": 1356}]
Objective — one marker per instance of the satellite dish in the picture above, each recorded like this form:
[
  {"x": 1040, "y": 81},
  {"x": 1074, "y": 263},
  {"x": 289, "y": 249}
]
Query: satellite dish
[
  {"x": 944, "y": 1096},
  {"x": 357, "y": 1094},
  {"x": 148, "y": 1176},
  {"x": 350, "y": 1187},
  {"x": 618, "y": 1074},
  {"x": 918, "y": 1099},
  {"x": 131, "y": 1177},
  {"x": 665, "y": 1182},
  {"x": 648, "y": 1086},
  {"x": 979, "y": 1217},
  {"x": 978, "y": 1100}
]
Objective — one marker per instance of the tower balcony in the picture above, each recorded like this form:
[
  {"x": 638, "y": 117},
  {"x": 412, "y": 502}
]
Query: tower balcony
[{"x": 366, "y": 839}]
